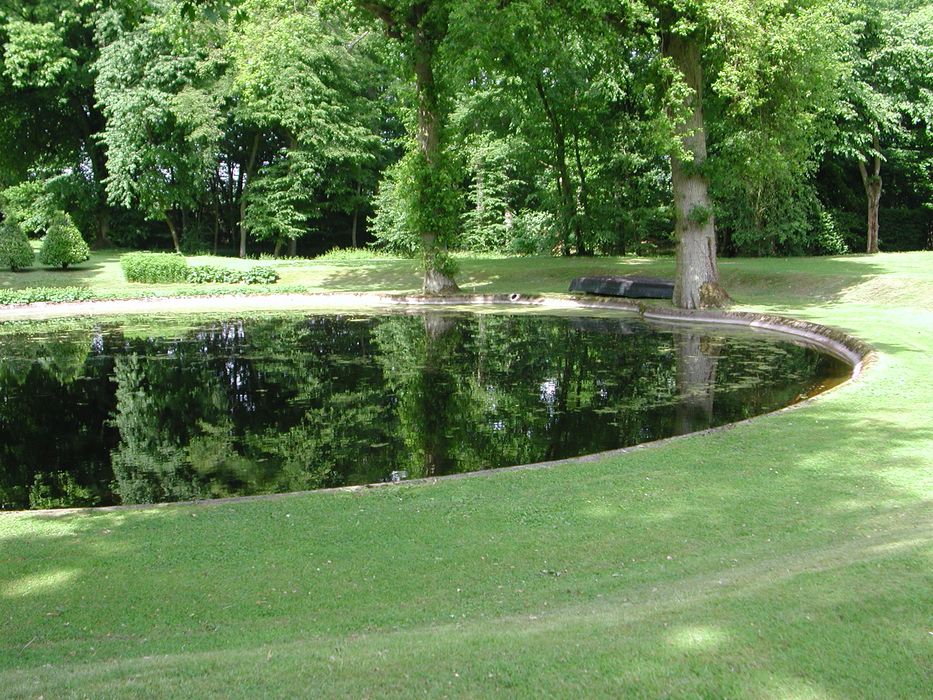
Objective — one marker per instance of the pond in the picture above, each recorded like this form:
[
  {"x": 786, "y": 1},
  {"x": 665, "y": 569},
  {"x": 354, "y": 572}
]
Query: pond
[{"x": 167, "y": 409}]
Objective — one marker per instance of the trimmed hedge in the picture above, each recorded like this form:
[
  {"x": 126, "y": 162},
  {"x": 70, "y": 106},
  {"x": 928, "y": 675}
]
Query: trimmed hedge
[
  {"x": 154, "y": 268},
  {"x": 63, "y": 244},
  {"x": 15, "y": 251},
  {"x": 165, "y": 268}
]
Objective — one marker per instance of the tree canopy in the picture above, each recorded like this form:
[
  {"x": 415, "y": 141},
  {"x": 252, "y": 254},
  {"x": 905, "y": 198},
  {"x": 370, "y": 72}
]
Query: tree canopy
[{"x": 517, "y": 126}]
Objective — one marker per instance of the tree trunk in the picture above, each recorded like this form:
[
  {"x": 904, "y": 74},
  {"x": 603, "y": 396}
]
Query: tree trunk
[
  {"x": 697, "y": 358},
  {"x": 872, "y": 184},
  {"x": 250, "y": 164},
  {"x": 696, "y": 284},
  {"x": 568, "y": 200},
  {"x": 216, "y": 225},
  {"x": 171, "y": 228},
  {"x": 103, "y": 227},
  {"x": 356, "y": 215},
  {"x": 92, "y": 122},
  {"x": 583, "y": 202},
  {"x": 436, "y": 280},
  {"x": 292, "y": 247}
]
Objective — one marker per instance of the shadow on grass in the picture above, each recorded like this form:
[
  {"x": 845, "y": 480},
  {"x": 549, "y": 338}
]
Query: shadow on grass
[
  {"x": 83, "y": 275},
  {"x": 797, "y": 282}
]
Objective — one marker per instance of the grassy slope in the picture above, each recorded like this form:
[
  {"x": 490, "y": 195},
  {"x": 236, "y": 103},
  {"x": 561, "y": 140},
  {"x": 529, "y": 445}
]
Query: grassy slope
[{"x": 786, "y": 558}]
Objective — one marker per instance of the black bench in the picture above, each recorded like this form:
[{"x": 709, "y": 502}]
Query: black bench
[{"x": 631, "y": 286}]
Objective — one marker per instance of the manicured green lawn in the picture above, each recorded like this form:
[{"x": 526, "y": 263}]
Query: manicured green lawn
[{"x": 790, "y": 557}]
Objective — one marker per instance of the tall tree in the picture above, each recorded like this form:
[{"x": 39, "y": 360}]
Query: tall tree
[
  {"x": 696, "y": 284},
  {"x": 50, "y": 121},
  {"x": 157, "y": 84},
  {"x": 889, "y": 92},
  {"x": 420, "y": 27},
  {"x": 300, "y": 83}
]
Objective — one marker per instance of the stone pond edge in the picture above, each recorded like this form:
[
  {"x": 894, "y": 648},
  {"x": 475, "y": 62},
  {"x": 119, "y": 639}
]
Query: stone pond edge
[{"x": 856, "y": 352}]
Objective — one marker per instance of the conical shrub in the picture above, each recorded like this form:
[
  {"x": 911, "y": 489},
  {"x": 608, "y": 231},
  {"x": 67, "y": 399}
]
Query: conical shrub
[
  {"x": 15, "y": 251},
  {"x": 63, "y": 244}
]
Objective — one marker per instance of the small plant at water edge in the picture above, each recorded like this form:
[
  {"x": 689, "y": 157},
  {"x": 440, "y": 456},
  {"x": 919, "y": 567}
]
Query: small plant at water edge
[
  {"x": 63, "y": 244},
  {"x": 15, "y": 251},
  {"x": 31, "y": 295},
  {"x": 155, "y": 268}
]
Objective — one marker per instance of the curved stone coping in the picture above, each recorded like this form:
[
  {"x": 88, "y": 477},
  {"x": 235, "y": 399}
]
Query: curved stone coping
[{"x": 844, "y": 346}]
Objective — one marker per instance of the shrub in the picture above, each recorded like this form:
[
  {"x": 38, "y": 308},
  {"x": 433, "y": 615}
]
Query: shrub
[
  {"x": 533, "y": 233},
  {"x": 354, "y": 254},
  {"x": 63, "y": 244},
  {"x": 829, "y": 239},
  {"x": 259, "y": 275},
  {"x": 211, "y": 274},
  {"x": 154, "y": 268},
  {"x": 31, "y": 295},
  {"x": 15, "y": 251}
]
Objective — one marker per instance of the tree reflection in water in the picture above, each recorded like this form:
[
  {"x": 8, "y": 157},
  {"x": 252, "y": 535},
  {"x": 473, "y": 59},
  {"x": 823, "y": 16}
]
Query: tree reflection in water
[{"x": 286, "y": 403}]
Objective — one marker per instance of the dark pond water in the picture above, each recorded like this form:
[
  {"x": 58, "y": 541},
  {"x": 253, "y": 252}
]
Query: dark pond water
[{"x": 154, "y": 411}]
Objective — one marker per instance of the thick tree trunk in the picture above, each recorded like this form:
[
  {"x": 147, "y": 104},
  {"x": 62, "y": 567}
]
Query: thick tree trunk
[
  {"x": 697, "y": 280},
  {"x": 436, "y": 280},
  {"x": 872, "y": 184},
  {"x": 292, "y": 247},
  {"x": 103, "y": 227}
]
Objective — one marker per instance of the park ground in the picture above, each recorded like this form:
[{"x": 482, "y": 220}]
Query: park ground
[{"x": 787, "y": 557}]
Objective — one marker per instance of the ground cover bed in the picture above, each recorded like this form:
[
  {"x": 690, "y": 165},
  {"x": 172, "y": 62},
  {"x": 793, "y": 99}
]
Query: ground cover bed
[{"x": 786, "y": 557}]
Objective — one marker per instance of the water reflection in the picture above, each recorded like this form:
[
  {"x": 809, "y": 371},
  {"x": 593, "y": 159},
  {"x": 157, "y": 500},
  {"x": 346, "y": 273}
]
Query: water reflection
[
  {"x": 697, "y": 357},
  {"x": 218, "y": 408}
]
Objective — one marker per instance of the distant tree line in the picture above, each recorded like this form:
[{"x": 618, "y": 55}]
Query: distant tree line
[{"x": 526, "y": 126}]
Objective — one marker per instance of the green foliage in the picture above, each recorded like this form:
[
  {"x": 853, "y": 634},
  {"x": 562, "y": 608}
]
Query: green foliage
[
  {"x": 32, "y": 295},
  {"x": 352, "y": 254},
  {"x": 60, "y": 490},
  {"x": 30, "y": 204},
  {"x": 699, "y": 215},
  {"x": 154, "y": 268},
  {"x": 276, "y": 199},
  {"x": 389, "y": 225},
  {"x": 63, "y": 244},
  {"x": 906, "y": 229},
  {"x": 486, "y": 224},
  {"x": 534, "y": 233},
  {"x": 829, "y": 239},
  {"x": 15, "y": 251},
  {"x": 432, "y": 206},
  {"x": 166, "y": 268},
  {"x": 156, "y": 85},
  {"x": 211, "y": 274}
]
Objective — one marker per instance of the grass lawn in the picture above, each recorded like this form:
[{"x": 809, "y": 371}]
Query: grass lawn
[{"x": 789, "y": 557}]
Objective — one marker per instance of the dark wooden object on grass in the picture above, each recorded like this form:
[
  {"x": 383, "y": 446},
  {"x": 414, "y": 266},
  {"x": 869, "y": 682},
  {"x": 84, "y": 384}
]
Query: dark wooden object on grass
[{"x": 629, "y": 286}]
